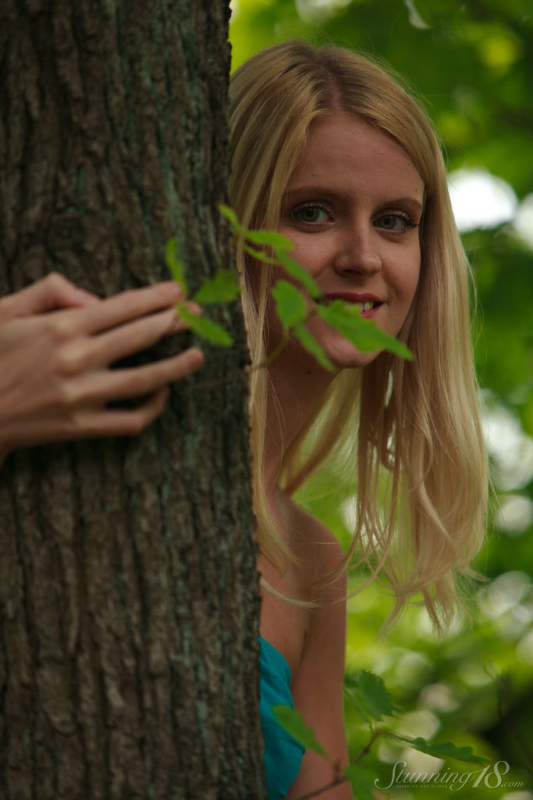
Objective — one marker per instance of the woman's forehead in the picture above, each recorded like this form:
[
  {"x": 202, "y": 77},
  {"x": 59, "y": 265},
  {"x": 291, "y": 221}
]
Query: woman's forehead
[{"x": 344, "y": 151}]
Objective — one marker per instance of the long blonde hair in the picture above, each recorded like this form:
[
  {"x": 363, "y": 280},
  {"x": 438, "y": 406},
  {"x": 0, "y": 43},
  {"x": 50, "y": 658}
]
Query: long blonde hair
[{"x": 416, "y": 422}]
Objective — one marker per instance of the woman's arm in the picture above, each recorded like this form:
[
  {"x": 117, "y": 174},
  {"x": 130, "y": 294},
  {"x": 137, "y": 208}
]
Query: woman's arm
[
  {"x": 317, "y": 687},
  {"x": 56, "y": 347}
]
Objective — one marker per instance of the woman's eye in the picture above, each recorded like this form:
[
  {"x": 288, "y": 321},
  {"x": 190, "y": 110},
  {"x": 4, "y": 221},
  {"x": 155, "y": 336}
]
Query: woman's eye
[
  {"x": 395, "y": 222},
  {"x": 311, "y": 214}
]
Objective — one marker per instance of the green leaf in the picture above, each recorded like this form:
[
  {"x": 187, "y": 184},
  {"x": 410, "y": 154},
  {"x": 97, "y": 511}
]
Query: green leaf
[
  {"x": 290, "y": 265},
  {"x": 363, "y": 333},
  {"x": 362, "y": 782},
  {"x": 443, "y": 749},
  {"x": 312, "y": 346},
  {"x": 355, "y": 703},
  {"x": 296, "y": 271},
  {"x": 206, "y": 328},
  {"x": 373, "y": 696},
  {"x": 294, "y": 723},
  {"x": 223, "y": 288},
  {"x": 271, "y": 238},
  {"x": 290, "y": 305},
  {"x": 231, "y": 216},
  {"x": 175, "y": 266},
  {"x": 259, "y": 255}
]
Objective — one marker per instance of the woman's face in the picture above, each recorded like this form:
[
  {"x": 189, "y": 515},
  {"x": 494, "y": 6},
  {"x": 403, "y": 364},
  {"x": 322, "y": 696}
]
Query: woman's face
[{"x": 352, "y": 209}]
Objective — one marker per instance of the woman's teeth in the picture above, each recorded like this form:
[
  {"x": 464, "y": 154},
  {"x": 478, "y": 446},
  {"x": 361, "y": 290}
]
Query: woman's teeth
[{"x": 368, "y": 305}]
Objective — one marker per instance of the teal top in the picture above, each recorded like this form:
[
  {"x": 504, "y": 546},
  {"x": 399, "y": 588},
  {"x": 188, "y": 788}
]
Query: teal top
[{"x": 283, "y": 754}]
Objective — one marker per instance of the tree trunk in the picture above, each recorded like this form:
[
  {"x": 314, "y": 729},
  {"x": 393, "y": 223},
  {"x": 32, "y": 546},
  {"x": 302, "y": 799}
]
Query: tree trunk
[{"x": 128, "y": 585}]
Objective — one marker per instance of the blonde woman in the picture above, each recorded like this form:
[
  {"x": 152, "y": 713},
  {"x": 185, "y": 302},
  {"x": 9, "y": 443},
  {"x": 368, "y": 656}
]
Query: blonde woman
[{"x": 330, "y": 150}]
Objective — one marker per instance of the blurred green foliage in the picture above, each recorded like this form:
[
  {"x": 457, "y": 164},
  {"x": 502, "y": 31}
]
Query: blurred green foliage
[{"x": 472, "y": 63}]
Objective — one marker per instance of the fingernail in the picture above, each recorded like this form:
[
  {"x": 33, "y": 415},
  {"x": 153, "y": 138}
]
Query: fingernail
[
  {"x": 194, "y": 308},
  {"x": 176, "y": 289},
  {"x": 87, "y": 297},
  {"x": 195, "y": 357}
]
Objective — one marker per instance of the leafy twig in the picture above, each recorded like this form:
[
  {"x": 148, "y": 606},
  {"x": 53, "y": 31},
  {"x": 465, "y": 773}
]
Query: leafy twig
[{"x": 291, "y": 306}]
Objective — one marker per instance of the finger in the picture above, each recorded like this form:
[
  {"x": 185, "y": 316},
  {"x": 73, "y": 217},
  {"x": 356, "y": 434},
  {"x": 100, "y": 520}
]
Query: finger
[
  {"x": 129, "y": 305},
  {"x": 134, "y": 337},
  {"x": 88, "y": 423},
  {"x": 118, "y": 422},
  {"x": 120, "y": 384},
  {"x": 48, "y": 294}
]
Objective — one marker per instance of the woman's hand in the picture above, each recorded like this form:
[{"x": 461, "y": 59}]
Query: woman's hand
[{"x": 57, "y": 343}]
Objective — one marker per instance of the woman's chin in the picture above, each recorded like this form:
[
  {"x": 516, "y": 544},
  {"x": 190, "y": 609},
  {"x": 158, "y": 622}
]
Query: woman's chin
[{"x": 343, "y": 355}]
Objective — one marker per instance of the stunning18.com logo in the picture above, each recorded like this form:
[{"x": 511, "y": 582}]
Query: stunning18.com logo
[{"x": 491, "y": 776}]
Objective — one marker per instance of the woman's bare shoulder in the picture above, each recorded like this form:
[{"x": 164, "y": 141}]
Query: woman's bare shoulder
[{"x": 315, "y": 547}]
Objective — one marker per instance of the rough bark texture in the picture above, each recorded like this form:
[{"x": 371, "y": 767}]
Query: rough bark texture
[{"x": 128, "y": 589}]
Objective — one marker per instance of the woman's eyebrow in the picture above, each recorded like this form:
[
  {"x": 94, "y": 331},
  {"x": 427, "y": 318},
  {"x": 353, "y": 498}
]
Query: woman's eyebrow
[
  {"x": 318, "y": 189},
  {"x": 412, "y": 201}
]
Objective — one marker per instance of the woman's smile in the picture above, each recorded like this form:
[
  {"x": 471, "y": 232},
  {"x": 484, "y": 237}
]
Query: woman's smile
[{"x": 367, "y": 303}]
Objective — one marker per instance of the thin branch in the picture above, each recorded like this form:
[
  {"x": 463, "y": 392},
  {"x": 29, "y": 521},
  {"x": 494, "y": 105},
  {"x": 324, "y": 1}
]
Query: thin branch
[
  {"x": 316, "y": 792},
  {"x": 342, "y": 778},
  {"x": 366, "y": 749}
]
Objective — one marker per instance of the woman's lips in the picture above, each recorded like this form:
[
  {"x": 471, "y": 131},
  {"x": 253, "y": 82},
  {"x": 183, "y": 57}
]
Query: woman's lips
[{"x": 368, "y": 303}]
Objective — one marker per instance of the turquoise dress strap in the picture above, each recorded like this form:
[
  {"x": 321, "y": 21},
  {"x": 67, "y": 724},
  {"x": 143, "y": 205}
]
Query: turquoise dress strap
[{"x": 283, "y": 754}]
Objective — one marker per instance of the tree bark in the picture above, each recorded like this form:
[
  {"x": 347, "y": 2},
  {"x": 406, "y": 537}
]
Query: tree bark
[{"x": 128, "y": 584}]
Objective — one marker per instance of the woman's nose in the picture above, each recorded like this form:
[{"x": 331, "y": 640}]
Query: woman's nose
[{"x": 356, "y": 253}]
